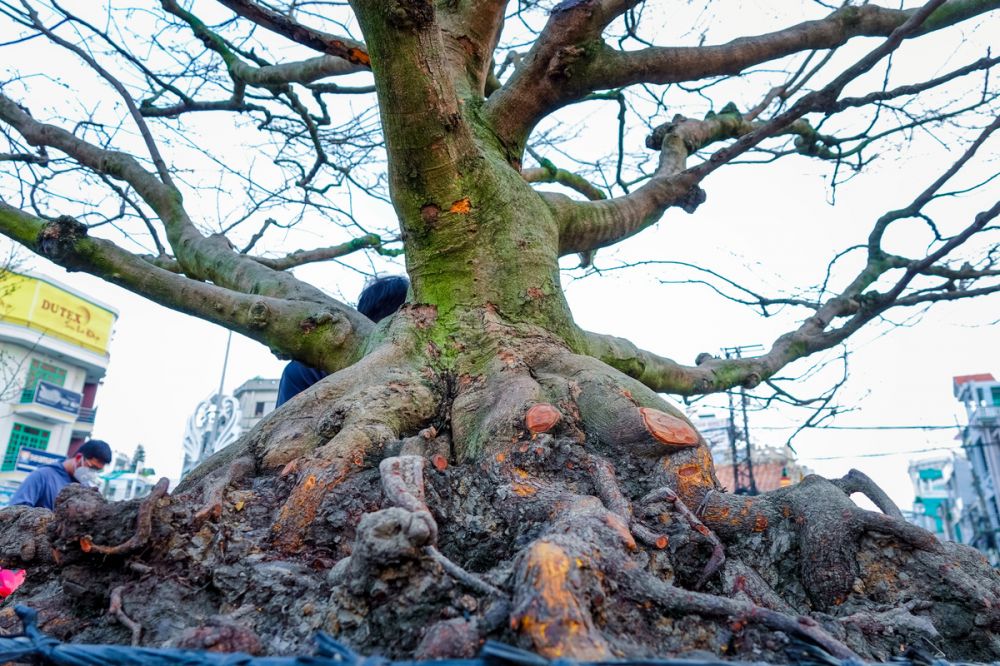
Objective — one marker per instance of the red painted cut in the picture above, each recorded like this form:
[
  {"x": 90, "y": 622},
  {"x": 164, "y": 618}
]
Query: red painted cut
[
  {"x": 541, "y": 417},
  {"x": 668, "y": 429}
]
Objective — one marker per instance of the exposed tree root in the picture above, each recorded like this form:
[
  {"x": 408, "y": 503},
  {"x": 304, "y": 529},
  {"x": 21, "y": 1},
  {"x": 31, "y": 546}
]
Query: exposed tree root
[
  {"x": 403, "y": 485},
  {"x": 534, "y": 496},
  {"x": 215, "y": 487},
  {"x": 143, "y": 526},
  {"x": 676, "y": 600},
  {"x": 858, "y": 482},
  {"x": 718, "y": 557},
  {"x": 386, "y": 404},
  {"x": 116, "y": 609}
]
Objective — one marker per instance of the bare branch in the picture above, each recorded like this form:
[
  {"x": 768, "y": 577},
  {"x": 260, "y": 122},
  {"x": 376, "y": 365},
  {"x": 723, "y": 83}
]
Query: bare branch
[
  {"x": 210, "y": 258},
  {"x": 565, "y": 65},
  {"x": 147, "y": 136},
  {"x": 350, "y": 50},
  {"x": 300, "y": 257},
  {"x": 324, "y": 334}
]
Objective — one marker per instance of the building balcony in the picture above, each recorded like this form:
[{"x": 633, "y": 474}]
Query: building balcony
[
  {"x": 985, "y": 415},
  {"x": 49, "y": 403},
  {"x": 84, "y": 424}
]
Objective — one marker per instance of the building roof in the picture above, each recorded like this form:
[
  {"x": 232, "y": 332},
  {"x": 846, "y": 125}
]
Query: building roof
[
  {"x": 767, "y": 476},
  {"x": 257, "y": 384},
  {"x": 981, "y": 377}
]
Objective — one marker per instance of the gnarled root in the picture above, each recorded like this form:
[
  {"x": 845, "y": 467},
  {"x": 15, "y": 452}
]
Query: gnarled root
[
  {"x": 603, "y": 476},
  {"x": 859, "y": 482},
  {"x": 389, "y": 403},
  {"x": 558, "y": 580},
  {"x": 403, "y": 485},
  {"x": 679, "y": 601},
  {"x": 827, "y": 525},
  {"x": 143, "y": 525}
]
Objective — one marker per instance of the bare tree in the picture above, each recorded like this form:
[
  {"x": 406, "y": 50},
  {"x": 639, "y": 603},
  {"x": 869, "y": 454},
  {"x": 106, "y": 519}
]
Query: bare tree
[{"x": 480, "y": 466}]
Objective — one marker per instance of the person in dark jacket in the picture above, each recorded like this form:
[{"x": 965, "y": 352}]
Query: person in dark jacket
[
  {"x": 378, "y": 300},
  {"x": 41, "y": 486}
]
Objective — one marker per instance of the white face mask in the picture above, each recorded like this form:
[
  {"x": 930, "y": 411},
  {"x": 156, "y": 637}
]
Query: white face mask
[{"x": 87, "y": 476}]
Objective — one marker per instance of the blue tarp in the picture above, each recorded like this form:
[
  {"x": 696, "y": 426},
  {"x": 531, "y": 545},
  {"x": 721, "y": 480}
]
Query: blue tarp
[{"x": 35, "y": 647}]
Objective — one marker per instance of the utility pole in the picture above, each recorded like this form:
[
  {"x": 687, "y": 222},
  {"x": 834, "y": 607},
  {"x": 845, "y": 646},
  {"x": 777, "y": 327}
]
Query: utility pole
[
  {"x": 743, "y": 481},
  {"x": 218, "y": 402}
]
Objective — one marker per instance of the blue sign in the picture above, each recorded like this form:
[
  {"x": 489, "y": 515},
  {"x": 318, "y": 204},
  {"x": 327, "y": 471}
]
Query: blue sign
[
  {"x": 57, "y": 397},
  {"x": 7, "y": 490},
  {"x": 28, "y": 460}
]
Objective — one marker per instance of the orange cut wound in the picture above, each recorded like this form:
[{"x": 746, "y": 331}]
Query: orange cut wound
[
  {"x": 440, "y": 462},
  {"x": 542, "y": 417},
  {"x": 668, "y": 429},
  {"x": 462, "y": 206}
]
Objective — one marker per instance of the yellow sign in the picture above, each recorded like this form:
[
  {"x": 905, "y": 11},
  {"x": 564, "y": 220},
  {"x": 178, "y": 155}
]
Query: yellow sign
[{"x": 37, "y": 304}]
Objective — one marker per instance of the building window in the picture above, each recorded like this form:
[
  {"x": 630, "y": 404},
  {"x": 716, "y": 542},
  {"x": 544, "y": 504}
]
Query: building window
[
  {"x": 40, "y": 371},
  {"x": 995, "y": 393},
  {"x": 259, "y": 409},
  {"x": 22, "y": 435}
]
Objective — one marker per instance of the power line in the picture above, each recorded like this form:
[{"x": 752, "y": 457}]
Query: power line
[
  {"x": 884, "y": 454},
  {"x": 881, "y": 427}
]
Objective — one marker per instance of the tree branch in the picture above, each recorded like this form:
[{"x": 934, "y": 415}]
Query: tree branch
[
  {"x": 589, "y": 226},
  {"x": 548, "y": 172},
  {"x": 300, "y": 257},
  {"x": 577, "y": 64},
  {"x": 326, "y": 335},
  {"x": 350, "y": 50},
  {"x": 147, "y": 136},
  {"x": 202, "y": 258},
  {"x": 857, "y": 302},
  {"x": 305, "y": 71}
]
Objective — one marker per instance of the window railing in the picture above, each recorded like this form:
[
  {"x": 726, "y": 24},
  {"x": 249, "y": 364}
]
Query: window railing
[
  {"x": 87, "y": 415},
  {"x": 986, "y": 414}
]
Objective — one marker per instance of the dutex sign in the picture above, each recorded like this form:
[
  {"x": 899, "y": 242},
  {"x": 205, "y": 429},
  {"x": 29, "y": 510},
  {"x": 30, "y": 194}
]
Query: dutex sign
[{"x": 37, "y": 304}]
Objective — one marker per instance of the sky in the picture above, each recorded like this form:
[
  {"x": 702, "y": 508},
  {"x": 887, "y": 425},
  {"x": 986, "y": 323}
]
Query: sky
[{"x": 773, "y": 225}]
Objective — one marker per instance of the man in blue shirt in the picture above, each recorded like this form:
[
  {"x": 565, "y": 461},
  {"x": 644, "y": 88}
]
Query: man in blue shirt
[
  {"x": 378, "y": 300},
  {"x": 41, "y": 486}
]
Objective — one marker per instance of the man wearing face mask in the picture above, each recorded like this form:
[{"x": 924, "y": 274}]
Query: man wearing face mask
[{"x": 41, "y": 486}]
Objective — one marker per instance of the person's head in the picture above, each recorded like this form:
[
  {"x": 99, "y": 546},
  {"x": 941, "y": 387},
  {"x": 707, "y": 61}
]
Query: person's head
[
  {"x": 89, "y": 460},
  {"x": 382, "y": 297}
]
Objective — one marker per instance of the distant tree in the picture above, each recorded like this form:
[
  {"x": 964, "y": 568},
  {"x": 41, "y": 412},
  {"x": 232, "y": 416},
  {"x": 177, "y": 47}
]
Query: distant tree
[
  {"x": 480, "y": 466},
  {"x": 139, "y": 458}
]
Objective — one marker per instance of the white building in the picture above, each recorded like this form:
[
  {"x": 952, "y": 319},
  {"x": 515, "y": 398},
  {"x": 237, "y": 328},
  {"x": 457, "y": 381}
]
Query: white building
[
  {"x": 257, "y": 398},
  {"x": 944, "y": 497},
  {"x": 980, "y": 394},
  {"x": 714, "y": 427},
  {"x": 214, "y": 425},
  {"x": 120, "y": 485},
  {"x": 53, "y": 355}
]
